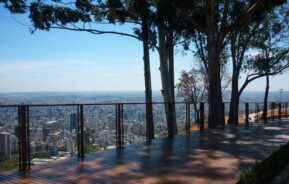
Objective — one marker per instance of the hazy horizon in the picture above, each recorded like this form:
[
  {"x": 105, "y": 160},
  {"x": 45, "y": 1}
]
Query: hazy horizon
[
  {"x": 116, "y": 97},
  {"x": 112, "y": 91}
]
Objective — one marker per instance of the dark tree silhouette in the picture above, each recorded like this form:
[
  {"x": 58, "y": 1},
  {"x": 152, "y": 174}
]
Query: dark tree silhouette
[
  {"x": 213, "y": 24},
  {"x": 84, "y": 16},
  {"x": 244, "y": 42}
]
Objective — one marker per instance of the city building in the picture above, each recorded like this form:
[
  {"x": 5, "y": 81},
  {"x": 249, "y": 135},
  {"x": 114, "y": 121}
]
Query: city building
[
  {"x": 5, "y": 145},
  {"x": 73, "y": 121}
]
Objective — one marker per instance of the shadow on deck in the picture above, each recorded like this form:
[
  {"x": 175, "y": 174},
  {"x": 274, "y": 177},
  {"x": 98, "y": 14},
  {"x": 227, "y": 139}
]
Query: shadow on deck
[{"x": 215, "y": 157}]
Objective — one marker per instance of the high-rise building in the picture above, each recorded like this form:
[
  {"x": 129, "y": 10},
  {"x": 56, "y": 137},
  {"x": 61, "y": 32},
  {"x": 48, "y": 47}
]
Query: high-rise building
[
  {"x": 16, "y": 130},
  {"x": 87, "y": 133},
  {"x": 5, "y": 145},
  {"x": 68, "y": 144},
  {"x": 46, "y": 132},
  {"x": 73, "y": 121},
  {"x": 39, "y": 133}
]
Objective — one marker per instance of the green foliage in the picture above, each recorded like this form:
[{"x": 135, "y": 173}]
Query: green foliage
[
  {"x": 263, "y": 172},
  {"x": 14, "y": 6},
  {"x": 95, "y": 148},
  {"x": 10, "y": 164},
  {"x": 270, "y": 44},
  {"x": 274, "y": 105},
  {"x": 91, "y": 148},
  {"x": 247, "y": 177},
  {"x": 86, "y": 148}
]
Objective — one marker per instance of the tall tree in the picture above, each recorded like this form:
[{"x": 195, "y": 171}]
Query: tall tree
[
  {"x": 243, "y": 43},
  {"x": 216, "y": 22},
  {"x": 271, "y": 43},
  {"x": 142, "y": 8},
  {"x": 84, "y": 16},
  {"x": 270, "y": 61},
  {"x": 165, "y": 24}
]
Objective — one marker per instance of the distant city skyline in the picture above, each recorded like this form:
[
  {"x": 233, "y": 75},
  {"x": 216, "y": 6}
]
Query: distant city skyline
[{"x": 75, "y": 61}]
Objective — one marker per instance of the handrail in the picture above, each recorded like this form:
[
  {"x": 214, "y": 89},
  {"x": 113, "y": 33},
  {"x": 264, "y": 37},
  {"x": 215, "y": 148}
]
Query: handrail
[
  {"x": 113, "y": 103},
  {"x": 24, "y": 130}
]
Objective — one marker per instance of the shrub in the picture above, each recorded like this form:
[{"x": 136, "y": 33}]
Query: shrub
[{"x": 264, "y": 172}]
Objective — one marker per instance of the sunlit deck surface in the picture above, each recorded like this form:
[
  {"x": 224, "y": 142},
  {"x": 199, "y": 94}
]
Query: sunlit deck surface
[{"x": 215, "y": 157}]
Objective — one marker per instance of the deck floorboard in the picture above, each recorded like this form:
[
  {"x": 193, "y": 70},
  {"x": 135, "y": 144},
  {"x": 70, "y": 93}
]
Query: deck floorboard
[{"x": 214, "y": 157}]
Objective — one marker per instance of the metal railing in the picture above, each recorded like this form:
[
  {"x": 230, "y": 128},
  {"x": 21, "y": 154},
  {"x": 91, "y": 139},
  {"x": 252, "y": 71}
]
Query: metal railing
[{"x": 24, "y": 121}]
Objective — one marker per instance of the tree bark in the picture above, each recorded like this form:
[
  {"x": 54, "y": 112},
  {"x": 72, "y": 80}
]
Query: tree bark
[
  {"x": 166, "y": 80},
  {"x": 234, "y": 102},
  {"x": 265, "y": 108},
  {"x": 215, "y": 91},
  {"x": 143, "y": 8},
  {"x": 214, "y": 66},
  {"x": 148, "y": 86},
  {"x": 170, "y": 49}
]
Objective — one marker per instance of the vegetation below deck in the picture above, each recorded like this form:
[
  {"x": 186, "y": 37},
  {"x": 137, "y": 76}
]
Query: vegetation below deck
[{"x": 264, "y": 172}]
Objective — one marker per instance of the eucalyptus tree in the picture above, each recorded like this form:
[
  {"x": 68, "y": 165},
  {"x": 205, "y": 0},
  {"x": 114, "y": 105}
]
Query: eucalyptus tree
[
  {"x": 244, "y": 42},
  {"x": 86, "y": 16},
  {"x": 142, "y": 9},
  {"x": 168, "y": 24},
  {"x": 154, "y": 23},
  {"x": 239, "y": 45},
  {"x": 165, "y": 33},
  {"x": 272, "y": 47},
  {"x": 270, "y": 61},
  {"x": 214, "y": 23}
]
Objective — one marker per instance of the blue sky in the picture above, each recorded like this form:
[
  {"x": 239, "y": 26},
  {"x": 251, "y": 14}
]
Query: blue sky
[{"x": 77, "y": 61}]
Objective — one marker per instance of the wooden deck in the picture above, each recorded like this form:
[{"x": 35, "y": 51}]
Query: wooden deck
[{"x": 215, "y": 157}]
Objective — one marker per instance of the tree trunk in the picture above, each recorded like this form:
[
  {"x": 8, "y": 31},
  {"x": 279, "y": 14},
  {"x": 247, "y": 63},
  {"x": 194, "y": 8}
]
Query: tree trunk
[
  {"x": 197, "y": 117},
  {"x": 166, "y": 80},
  {"x": 142, "y": 5},
  {"x": 170, "y": 50},
  {"x": 265, "y": 108},
  {"x": 215, "y": 91},
  {"x": 214, "y": 68},
  {"x": 148, "y": 86},
  {"x": 234, "y": 102}
]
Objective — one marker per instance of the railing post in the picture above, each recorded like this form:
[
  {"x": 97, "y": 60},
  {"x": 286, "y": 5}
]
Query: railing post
[
  {"x": 202, "y": 118},
  {"x": 265, "y": 116},
  {"x": 148, "y": 125},
  {"x": 279, "y": 111},
  {"x": 80, "y": 132},
  {"x": 188, "y": 118},
  {"x": 119, "y": 126},
  {"x": 28, "y": 137},
  {"x": 272, "y": 110},
  {"x": 223, "y": 114},
  {"x": 122, "y": 128},
  {"x": 19, "y": 139},
  {"x": 257, "y": 112},
  {"x": 247, "y": 114},
  {"x": 23, "y": 138},
  {"x": 286, "y": 109},
  {"x": 170, "y": 118}
]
